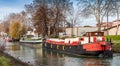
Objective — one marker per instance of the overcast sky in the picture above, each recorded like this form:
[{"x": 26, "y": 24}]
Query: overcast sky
[{"x": 10, "y": 6}]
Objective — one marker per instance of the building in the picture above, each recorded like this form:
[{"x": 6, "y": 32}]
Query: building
[
  {"x": 79, "y": 31},
  {"x": 113, "y": 29},
  {"x": 109, "y": 28},
  {"x": 109, "y": 24}
]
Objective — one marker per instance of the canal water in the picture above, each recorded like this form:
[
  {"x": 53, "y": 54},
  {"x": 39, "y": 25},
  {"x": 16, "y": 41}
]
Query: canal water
[{"x": 33, "y": 54}]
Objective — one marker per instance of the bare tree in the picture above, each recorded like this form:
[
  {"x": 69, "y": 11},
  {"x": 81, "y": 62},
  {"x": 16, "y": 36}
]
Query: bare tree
[
  {"x": 47, "y": 15},
  {"x": 115, "y": 8},
  {"x": 98, "y": 8},
  {"x": 19, "y": 17},
  {"x": 40, "y": 20},
  {"x": 74, "y": 17},
  {"x": 5, "y": 26},
  {"x": 115, "y": 11}
]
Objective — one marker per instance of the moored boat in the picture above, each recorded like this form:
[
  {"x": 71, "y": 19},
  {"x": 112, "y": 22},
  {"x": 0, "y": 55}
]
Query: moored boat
[
  {"x": 94, "y": 44},
  {"x": 32, "y": 40}
]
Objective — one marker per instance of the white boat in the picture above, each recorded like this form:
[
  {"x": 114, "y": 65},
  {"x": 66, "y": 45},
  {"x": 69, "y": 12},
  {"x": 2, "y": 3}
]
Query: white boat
[{"x": 32, "y": 39}]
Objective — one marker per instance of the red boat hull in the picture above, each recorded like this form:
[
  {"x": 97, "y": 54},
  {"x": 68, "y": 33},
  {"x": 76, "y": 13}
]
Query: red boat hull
[{"x": 94, "y": 49}]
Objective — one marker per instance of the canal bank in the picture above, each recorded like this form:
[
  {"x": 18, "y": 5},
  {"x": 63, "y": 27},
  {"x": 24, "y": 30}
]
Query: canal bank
[
  {"x": 13, "y": 61},
  {"x": 115, "y": 42},
  {"x": 116, "y": 47},
  {"x": 10, "y": 60},
  {"x": 25, "y": 53}
]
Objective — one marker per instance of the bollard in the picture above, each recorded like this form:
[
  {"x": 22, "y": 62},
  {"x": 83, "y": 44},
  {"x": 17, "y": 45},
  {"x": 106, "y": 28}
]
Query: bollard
[
  {"x": 107, "y": 39},
  {"x": 110, "y": 40},
  {"x": 28, "y": 62}
]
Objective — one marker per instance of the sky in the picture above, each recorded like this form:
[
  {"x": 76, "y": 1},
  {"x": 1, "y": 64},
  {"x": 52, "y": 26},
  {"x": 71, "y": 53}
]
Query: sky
[
  {"x": 12, "y": 6},
  {"x": 16, "y": 6}
]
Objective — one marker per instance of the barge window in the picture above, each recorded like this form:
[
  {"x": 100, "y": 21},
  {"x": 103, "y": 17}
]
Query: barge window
[{"x": 82, "y": 39}]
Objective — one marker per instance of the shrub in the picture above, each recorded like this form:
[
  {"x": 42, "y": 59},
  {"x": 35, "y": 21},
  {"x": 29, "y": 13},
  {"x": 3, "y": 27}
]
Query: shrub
[
  {"x": 116, "y": 42},
  {"x": 116, "y": 47},
  {"x": 54, "y": 36}
]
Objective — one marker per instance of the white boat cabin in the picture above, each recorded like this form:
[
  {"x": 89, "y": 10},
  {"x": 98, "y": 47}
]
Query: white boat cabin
[{"x": 90, "y": 37}]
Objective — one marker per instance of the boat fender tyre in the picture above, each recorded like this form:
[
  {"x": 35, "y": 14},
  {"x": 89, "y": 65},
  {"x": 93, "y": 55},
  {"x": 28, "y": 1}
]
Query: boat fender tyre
[{"x": 101, "y": 55}]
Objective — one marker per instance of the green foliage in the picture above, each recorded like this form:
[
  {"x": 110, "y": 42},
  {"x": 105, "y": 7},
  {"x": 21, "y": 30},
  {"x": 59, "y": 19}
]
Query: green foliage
[
  {"x": 54, "y": 36},
  {"x": 23, "y": 30},
  {"x": 113, "y": 37},
  {"x": 4, "y": 61}
]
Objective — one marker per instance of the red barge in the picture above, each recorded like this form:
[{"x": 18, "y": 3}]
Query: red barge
[{"x": 93, "y": 43}]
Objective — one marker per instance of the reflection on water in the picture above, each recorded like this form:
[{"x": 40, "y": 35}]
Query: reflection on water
[
  {"x": 14, "y": 47},
  {"x": 30, "y": 53},
  {"x": 58, "y": 59}
]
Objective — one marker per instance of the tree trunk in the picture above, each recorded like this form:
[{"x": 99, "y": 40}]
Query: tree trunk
[
  {"x": 72, "y": 29},
  {"x": 99, "y": 25},
  {"x": 107, "y": 24},
  {"x": 98, "y": 19},
  {"x": 117, "y": 28}
]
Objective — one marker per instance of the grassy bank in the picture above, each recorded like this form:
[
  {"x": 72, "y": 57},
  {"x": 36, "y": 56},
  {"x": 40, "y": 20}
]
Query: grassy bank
[
  {"x": 5, "y": 61},
  {"x": 8, "y": 60},
  {"x": 116, "y": 42}
]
